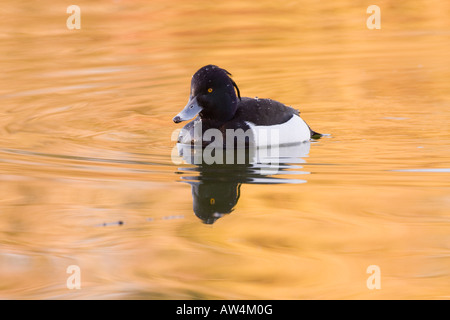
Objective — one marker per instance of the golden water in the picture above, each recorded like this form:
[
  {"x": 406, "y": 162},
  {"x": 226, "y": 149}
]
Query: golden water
[{"x": 85, "y": 122}]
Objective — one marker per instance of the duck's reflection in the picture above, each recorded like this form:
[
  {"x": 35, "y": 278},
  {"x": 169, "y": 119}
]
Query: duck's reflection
[{"x": 216, "y": 187}]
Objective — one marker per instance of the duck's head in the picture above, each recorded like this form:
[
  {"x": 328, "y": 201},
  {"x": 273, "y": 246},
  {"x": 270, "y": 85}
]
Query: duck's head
[{"x": 213, "y": 96}]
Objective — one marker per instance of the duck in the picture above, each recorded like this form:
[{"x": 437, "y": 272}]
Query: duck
[{"x": 220, "y": 113}]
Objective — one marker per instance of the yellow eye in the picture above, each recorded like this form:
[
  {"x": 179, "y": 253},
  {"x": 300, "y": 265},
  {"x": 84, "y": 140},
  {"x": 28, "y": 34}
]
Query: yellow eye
[
  {"x": 212, "y": 201},
  {"x": 210, "y": 90}
]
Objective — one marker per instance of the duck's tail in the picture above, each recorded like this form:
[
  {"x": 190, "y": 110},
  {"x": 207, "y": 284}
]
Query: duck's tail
[{"x": 315, "y": 135}]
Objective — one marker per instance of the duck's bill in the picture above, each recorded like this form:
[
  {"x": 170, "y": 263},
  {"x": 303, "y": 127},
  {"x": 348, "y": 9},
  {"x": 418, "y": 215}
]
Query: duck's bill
[{"x": 191, "y": 110}]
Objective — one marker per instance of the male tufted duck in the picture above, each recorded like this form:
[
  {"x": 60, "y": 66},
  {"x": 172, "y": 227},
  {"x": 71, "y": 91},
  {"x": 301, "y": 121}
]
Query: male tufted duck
[{"x": 216, "y": 99}]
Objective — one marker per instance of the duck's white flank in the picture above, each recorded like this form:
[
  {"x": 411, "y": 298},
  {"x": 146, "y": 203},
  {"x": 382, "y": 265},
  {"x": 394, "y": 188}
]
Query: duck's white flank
[{"x": 294, "y": 130}]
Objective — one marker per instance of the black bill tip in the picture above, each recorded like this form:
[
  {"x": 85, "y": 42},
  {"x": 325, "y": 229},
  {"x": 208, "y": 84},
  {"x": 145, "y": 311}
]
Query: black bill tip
[{"x": 177, "y": 119}]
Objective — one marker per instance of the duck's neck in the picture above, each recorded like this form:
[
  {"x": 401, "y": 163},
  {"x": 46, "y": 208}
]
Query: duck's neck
[{"x": 223, "y": 112}]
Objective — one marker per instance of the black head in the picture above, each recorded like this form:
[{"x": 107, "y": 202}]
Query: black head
[{"x": 213, "y": 95}]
